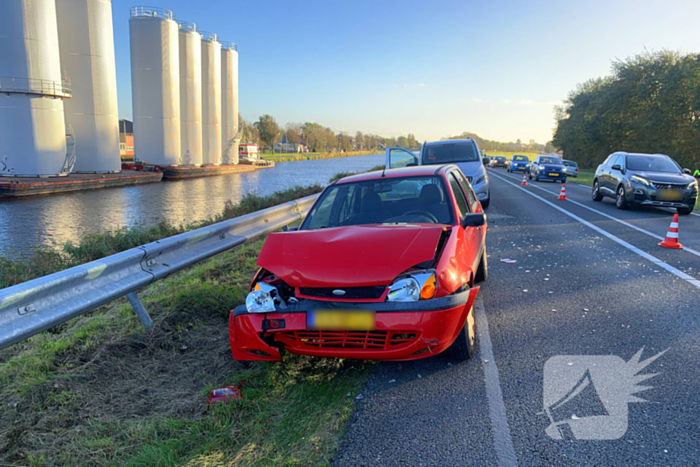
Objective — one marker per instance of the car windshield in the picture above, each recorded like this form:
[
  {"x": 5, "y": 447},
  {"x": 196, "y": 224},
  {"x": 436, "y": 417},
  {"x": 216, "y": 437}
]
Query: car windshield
[
  {"x": 501, "y": 158},
  {"x": 520, "y": 158},
  {"x": 652, "y": 164},
  {"x": 383, "y": 201},
  {"x": 450, "y": 152},
  {"x": 550, "y": 160}
]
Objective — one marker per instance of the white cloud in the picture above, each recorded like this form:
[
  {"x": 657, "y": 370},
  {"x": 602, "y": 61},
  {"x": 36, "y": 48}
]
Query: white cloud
[
  {"x": 417, "y": 85},
  {"x": 527, "y": 102},
  {"x": 506, "y": 101},
  {"x": 476, "y": 99}
]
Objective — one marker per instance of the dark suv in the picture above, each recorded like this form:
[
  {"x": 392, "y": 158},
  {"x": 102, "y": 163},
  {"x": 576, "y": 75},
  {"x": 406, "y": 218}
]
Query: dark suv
[{"x": 646, "y": 180}]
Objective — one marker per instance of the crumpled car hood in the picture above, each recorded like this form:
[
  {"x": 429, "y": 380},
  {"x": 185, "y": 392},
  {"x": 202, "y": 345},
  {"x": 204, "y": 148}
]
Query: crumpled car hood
[{"x": 352, "y": 256}]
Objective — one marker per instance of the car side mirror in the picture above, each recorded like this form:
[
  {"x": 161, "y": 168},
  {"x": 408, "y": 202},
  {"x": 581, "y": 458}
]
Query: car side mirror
[
  {"x": 287, "y": 228},
  {"x": 486, "y": 160},
  {"x": 616, "y": 167},
  {"x": 473, "y": 220},
  {"x": 686, "y": 171}
]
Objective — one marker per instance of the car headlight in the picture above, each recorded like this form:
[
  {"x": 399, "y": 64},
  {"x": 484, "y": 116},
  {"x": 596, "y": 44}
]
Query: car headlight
[
  {"x": 641, "y": 180},
  {"x": 417, "y": 286},
  {"x": 692, "y": 184},
  {"x": 541, "y": 167},
  {"x": 480, "y": 179},
  {"x": 261, "y": 299}
]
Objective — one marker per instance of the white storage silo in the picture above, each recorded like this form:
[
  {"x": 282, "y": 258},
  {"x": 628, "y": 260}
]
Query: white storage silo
[
  {"x": 229, "y": 102},
  {"x": 190, "y": 94},
  {"x": 86, "y": 42},
  {"x": 211, "y": 99},
  {"x": 155, "y": 85},
  {"x": 32, "y": 127}
]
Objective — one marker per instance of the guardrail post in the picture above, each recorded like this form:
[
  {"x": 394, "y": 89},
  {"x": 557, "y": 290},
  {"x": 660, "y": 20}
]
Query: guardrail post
[{"x": 140, "y": 310}]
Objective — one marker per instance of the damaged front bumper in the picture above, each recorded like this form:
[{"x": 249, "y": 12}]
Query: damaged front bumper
[{"x": 404, "y": 331}]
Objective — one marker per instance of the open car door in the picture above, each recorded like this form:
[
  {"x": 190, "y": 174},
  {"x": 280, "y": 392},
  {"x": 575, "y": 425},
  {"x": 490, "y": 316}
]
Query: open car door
[{"x": 400, "y": 157}]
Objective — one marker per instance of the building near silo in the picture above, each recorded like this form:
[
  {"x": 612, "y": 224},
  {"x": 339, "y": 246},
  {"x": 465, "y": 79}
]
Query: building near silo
[
  {"x": 211, "y": 99},
  {"x": 155, "y": 85},
  {"x": 190, "y": 94},
  {"x": 229, "y": 102},
  {"x": 86, "y": 44},
  {"x": 32, "y": 92},
  {"x": 126, "y": 139}
]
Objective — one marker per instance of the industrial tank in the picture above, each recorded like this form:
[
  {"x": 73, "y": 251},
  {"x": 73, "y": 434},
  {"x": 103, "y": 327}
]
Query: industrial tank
[
  {"x": 32, "y": 127},
  {"x": 211, "y": 99},
  {"x": 86, "y": 43},
  {"x": 190, "y": 94},
  {"x": 229, "y": 102},
  {"x": 155, "y": 85}
]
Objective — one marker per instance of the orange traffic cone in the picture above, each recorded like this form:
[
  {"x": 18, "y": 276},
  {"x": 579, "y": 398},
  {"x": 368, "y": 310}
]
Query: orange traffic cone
[
  {"x": 524, "y": 182},
  {"x": 562, "y": 193},
  {"x": 672, "y": 235}
]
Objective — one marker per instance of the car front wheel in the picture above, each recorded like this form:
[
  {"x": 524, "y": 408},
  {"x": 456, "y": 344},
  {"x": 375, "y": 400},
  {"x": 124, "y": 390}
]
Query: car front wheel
[
  {"x": 683, "y": 211},
  {"x": 464, "y": 347},
  {"x": 595, "y": 194},
  {"x": 485, "y": 203},
  {"x": 621, "y": 200}
]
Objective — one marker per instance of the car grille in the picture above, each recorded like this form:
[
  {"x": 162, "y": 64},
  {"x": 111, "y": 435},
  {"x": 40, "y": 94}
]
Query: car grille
[
  {"x": 352, "y": 293},
  {"x": 364, "y": 340},
  {"x": 668, "y": 186}
]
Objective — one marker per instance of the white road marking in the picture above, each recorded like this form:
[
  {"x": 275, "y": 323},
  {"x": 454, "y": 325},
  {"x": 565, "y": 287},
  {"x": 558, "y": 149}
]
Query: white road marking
[
  {"x": 503, "y": 442},
  {"x": 638, "y": 229},
  {"x": 643, "y": 254}
]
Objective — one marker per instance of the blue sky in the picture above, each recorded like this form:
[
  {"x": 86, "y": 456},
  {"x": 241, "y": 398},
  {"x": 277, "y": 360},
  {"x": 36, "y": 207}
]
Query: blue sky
[{"x": 432, "y": 68}]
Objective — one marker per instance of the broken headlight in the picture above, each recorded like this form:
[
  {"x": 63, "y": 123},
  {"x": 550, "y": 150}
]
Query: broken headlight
[
  {"x": 261, "y": 299},
  {"x": 416, "y": 286}
]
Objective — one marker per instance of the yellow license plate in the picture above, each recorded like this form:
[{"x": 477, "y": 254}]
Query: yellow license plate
[
  {"x": 553, "y": 175},
  {"x": 671, "y": 195},
  {"x": 341, "y": 320}
]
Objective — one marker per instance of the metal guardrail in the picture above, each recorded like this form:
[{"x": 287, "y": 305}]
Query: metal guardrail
[
  {"x": 187, "y": 26},
  {"x": 209, "y": 36},
  {"x": 226, "y": 45},
  {"x": 152, "y": 11},
  {"x": 32, "y": 307},
  {"x": 39, "y": 87}
]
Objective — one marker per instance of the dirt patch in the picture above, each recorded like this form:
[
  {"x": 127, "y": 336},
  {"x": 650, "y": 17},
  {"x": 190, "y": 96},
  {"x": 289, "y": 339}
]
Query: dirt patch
[{"x": 142, "y": 376}]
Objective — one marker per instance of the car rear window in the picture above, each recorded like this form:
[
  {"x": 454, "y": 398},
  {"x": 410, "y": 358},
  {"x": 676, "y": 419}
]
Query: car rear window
[
  {"x": 570, "y": 164},
  {"x": 450, "y": 152}
]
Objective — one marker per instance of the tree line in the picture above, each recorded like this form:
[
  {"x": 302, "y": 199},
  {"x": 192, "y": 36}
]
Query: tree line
[
  {"x": 267, "y": 133},
  {"x": 514, "y": 147},
  {"x": 650, "y": 104}
]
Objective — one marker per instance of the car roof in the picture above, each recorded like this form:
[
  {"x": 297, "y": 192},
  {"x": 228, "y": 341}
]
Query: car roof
[
  {"x": 623, "y": 153},
  {"x": 449, "y": 141},
  {"x": 567, "y": 160},
  {"x": 417, "y": 171}
]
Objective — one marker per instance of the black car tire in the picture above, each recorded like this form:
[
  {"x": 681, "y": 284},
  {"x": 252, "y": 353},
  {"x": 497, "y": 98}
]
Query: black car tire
[
  {"x": 683, "y": 211},
  {"x": 595, "y": 194},
  {"x": 485, "y": 203},
  {"x": 482, "y": 272},
  {"x": 464, "y": 347},
  {"x": 537, "y": 177},
  {"x": 620, "y": 199}
]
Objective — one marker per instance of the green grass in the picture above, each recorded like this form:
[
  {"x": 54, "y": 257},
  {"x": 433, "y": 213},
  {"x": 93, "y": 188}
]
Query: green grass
[{"x": 584, "y": 178}]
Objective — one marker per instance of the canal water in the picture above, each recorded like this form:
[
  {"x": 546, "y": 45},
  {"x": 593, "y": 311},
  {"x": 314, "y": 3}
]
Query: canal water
[{"x": 55, "y": 219}]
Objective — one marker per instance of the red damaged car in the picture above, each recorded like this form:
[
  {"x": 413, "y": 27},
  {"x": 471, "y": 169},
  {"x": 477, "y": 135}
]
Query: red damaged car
[{"x": 383, "y": 267}]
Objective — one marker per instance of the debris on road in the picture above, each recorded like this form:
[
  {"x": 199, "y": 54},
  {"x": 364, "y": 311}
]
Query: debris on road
[
  {"x": 359, "y": 396},
  {"x": 392, "y": 380},
  {"x": 509, "y": 261}
]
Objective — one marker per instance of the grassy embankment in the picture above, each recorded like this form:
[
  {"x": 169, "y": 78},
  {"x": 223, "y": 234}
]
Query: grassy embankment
[
  {"x": 99, "y": 390},
  {"x": 286, "y": 157}
]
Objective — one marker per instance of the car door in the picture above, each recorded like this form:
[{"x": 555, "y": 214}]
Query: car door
[
  {"x": 614, "y": 175},
  {"x": 471, "y": 237},
  {"x": 399, "y": 157}
]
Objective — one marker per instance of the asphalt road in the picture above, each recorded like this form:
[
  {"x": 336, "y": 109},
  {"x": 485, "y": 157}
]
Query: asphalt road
[{"x": 588, "y": 292}]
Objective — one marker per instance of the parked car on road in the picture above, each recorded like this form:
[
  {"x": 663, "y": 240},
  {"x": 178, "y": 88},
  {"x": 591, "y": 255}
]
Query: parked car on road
[
  {"x": 547, "y": 168},
  {"x": 519, "y": 164},
  {"x": 571, "y": 168},
  {"x": 498, "y": 161},
  {"x": 646, "y": 180},
  {"x": 384, "y": 267},
  {"x": 464, "y": 153}
]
